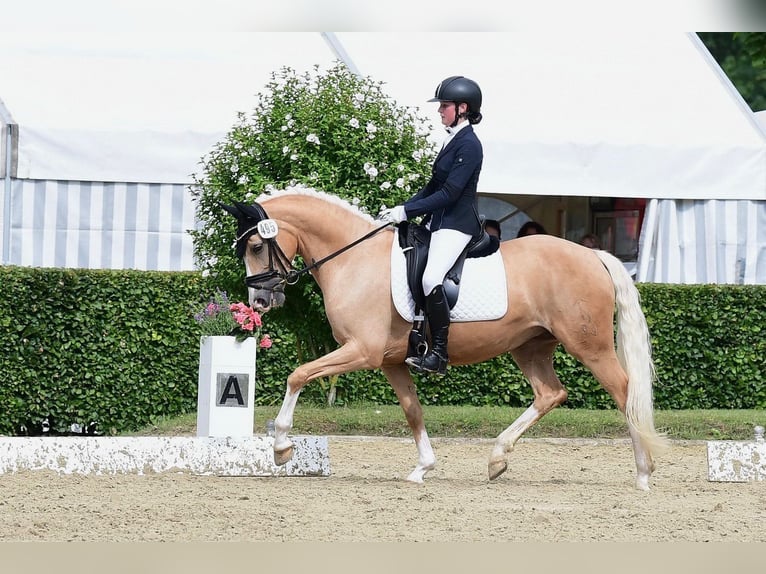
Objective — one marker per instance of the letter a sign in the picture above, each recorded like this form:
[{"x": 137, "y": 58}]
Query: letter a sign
[{"x": 232, "y": 389}]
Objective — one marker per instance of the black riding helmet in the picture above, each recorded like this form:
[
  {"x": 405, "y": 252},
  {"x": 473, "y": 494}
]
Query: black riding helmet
[{"x": 460, "y": 89}]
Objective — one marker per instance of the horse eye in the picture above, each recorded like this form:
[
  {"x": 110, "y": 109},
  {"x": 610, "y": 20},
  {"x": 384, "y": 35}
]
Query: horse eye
[{"x": 256, "y": 248}]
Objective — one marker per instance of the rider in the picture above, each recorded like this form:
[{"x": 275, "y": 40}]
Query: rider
[{"x": 449, "y": 204}]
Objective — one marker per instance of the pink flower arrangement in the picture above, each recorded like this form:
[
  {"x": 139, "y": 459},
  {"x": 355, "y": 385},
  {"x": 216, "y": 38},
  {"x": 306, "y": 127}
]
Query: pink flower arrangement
[
  {"x": 221, "y": 317},
  {"x": 247, "y": 318}
]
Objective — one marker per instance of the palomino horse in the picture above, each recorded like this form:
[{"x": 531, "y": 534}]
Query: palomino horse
[{"x": 558, "y": 292}]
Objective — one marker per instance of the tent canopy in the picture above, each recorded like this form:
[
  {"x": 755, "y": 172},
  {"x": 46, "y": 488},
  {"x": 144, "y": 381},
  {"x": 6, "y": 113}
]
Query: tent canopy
[
  {"x": 614, "y": 114},
  {"x": 111, "y": 108}
]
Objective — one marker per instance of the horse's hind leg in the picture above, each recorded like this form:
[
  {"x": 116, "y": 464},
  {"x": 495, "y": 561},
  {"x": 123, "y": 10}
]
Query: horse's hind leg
[
  {"x": 613, "y": 378},
  {"x": 535, "y": 359},
  {"x": 401, "y": 380}
]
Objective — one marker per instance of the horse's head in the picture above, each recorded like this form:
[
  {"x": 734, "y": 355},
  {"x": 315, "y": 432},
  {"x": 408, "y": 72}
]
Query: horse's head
[{"x": 268, "y": 267}]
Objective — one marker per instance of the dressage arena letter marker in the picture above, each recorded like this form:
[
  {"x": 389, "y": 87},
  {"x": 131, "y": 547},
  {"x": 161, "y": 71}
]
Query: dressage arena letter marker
[
  {"x": 230, "y": 387},
  {"x": 226, "y": 392}
]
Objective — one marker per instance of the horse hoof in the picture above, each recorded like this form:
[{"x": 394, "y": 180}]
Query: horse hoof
[
  {"x": 283, "y": 456},
  {"x": 496, "y": 468}
]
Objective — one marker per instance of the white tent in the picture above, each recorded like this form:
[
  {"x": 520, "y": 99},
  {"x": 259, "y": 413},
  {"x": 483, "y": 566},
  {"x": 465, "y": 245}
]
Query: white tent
[
  {"x": 612, "y": 114},
  {"x": 107, "y": 130},
  {"x": 101, "y": 136}
]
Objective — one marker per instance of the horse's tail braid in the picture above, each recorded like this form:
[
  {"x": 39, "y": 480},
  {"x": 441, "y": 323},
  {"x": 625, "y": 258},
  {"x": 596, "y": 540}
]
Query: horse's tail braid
[{"x": 634, "y": 351}]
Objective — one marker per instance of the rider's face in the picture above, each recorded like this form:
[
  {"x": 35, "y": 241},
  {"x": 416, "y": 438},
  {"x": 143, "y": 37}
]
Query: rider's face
[{"x": 447, "y": 111}]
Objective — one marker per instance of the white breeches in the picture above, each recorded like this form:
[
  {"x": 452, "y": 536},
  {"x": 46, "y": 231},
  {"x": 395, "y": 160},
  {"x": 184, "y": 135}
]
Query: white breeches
[{"x": 446, "y": 246}]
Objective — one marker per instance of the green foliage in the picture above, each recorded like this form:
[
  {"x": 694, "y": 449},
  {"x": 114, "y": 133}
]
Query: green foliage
[
  {"x": 709, "y": 345},
  {"x": 742, "y": 56},
  {"x": 112, "y": 347}
]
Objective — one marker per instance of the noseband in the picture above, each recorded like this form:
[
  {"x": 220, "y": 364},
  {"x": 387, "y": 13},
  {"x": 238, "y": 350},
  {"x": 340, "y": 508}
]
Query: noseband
[{"x": 280, "y": 267}]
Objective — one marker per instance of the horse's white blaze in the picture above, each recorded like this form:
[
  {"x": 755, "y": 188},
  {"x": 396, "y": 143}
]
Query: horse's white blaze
[
  {"x": 250, "y": 290},
  {"x": 284, "y": 421}
]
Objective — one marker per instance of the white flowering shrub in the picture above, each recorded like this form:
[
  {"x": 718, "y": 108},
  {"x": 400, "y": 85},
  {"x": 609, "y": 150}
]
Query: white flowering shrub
[{"x": 332, "y": 131}]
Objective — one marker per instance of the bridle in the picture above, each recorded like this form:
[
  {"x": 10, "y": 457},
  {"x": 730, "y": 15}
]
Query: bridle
[{"x": 280, "y": 266}]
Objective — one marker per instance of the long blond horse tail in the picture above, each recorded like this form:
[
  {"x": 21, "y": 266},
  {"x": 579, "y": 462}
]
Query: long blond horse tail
[{"x": 634, "y": 351}]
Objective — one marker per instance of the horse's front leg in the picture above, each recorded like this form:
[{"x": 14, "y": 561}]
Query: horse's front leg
[
  {"x": 401, "y": 380},
  {"x": 342, "y": 360},
  {"x": 283, "y": 446}
]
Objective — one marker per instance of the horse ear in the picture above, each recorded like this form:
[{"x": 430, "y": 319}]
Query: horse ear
[
  {"x": 245, "y": 214},
  {"x": 249, "y": 210},
  {"x": 233, "y": 210}
]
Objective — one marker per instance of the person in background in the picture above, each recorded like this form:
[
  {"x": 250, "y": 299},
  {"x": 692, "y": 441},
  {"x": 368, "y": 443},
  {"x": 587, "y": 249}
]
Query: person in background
[
  {"x": 590, "y": 240},
  {"x": 531, "y": 228},
  {"x": 492, "y": 227},
  {"x": 450, "y": 208}
]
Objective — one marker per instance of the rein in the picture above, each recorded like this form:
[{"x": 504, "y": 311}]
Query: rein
[
  {"x": 285, "y": 273},
  {"x": 296, "y": 273}
]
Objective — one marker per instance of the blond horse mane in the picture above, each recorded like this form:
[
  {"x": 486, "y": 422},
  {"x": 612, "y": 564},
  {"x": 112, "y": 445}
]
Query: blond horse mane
[{"x": 311, "y": 192}]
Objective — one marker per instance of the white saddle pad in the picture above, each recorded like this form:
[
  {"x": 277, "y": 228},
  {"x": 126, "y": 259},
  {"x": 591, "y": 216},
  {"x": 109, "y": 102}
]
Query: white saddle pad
[{"x": 483, "y": 292}]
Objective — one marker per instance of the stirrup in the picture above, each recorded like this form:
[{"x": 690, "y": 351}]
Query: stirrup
[
  {"x": 440, "y": 366},
  {"x": 414, "y": 362}
]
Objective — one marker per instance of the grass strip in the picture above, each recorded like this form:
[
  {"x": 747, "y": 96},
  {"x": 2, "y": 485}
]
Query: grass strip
[{"x": 487, "y": 422}]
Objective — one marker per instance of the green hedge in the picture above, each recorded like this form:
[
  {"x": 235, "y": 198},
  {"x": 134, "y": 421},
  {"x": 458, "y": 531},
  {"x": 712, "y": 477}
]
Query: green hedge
[
  {"x": 121, "y": 347},
  {"x": 709, "y": 345},
  {"x": 83, "y": 345}
]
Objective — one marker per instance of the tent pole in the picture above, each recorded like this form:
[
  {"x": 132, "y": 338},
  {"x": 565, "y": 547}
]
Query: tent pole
[
  {"x": 8, "y": 123},
  {"x": 7, "y": 196},
  {"x": 335, "y": 45}
]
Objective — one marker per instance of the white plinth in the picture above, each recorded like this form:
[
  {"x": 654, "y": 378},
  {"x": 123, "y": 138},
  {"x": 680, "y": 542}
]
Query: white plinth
[
  {"x": 226, "y": 387},
  {"x": 251, "y": 456},
  {"x": 736, "y": 461}
]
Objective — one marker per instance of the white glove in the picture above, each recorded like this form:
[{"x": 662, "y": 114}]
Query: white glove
[{"x": 393, "y": 215}]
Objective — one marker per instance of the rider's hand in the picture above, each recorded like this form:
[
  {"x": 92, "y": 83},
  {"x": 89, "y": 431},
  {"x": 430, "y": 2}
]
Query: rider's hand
[{"x": 393, "y": 215}]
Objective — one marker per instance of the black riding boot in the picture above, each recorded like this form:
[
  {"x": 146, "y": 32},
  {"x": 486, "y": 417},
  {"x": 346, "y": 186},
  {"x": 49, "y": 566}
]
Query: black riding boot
[{"x": 437, "y": 312}]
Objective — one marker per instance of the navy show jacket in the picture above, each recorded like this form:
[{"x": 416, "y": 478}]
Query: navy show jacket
[{"x": 450, "y": 194}]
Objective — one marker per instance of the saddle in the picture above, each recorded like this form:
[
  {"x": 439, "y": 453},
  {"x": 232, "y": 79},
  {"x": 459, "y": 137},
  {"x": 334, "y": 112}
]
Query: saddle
[{"x": 414, "y": 241}]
